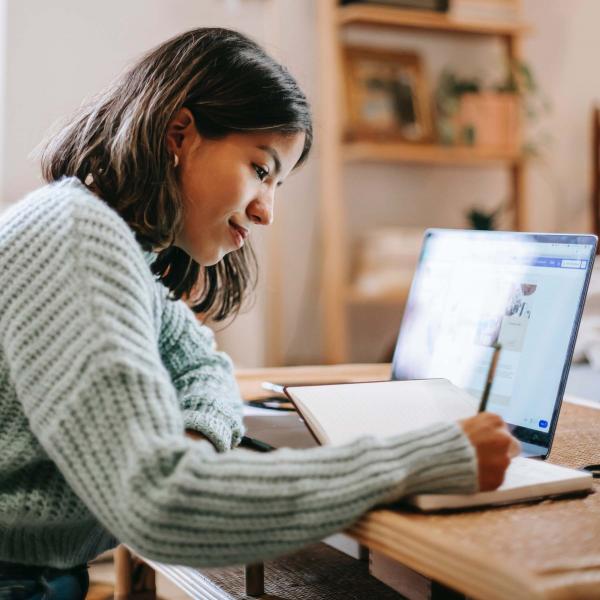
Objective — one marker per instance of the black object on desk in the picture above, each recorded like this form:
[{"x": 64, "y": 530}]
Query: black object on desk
[
  {"x": 273, "y": 403},
  {"x": 593, "y": 469},
  {"x": 254, "y": 444}
]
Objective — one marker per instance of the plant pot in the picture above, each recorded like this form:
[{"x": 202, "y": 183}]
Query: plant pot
[{"x": 488, "y": 120}]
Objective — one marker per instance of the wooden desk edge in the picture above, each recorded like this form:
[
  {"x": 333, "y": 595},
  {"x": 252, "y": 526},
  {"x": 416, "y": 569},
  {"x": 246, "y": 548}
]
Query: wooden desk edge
[
  {"x": 249, "y": 380},
  {"x": 399, "y": 539}
]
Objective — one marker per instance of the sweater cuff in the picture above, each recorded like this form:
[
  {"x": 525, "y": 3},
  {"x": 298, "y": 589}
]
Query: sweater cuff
[
  {"x": 224, "y": 430},
  {"x": 444, "y": 463}
]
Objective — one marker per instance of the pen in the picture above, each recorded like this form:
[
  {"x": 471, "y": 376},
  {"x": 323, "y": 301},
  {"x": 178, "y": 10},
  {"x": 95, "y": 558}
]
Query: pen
[
  {"x": 273, "y": 387},
  {"x": 490, "y": 377}
]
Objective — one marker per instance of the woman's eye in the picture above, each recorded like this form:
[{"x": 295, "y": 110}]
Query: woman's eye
[{"x": 260, "y": 172}]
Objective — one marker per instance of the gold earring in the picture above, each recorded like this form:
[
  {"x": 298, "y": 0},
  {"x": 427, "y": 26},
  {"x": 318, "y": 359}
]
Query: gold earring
[{"x": 175, "y": 160}]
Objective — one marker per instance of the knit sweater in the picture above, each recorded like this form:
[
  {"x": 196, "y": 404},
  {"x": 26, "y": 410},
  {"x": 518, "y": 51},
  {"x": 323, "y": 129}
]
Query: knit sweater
[{"x": 100, "y": 374}]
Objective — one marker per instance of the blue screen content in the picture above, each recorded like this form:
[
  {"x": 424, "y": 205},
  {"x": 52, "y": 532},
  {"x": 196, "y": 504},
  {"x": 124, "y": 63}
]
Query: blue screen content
[{"x": 471, "y": 291}]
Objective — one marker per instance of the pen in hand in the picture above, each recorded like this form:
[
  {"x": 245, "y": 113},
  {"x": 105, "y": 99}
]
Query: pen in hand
[{"x": 490, "y": 377}]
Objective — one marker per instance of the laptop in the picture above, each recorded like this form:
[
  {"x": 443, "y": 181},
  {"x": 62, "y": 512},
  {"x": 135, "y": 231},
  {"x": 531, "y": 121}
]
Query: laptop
[{"x": 524, "y": 291}]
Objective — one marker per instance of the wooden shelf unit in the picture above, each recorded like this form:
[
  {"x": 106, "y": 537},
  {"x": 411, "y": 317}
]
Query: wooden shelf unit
[
  {"x": 383, "y": 16},
  {"x": 428, "y": 154},
  {"x": 336, "y": 151},
  {"x": 356, "y": 297}
]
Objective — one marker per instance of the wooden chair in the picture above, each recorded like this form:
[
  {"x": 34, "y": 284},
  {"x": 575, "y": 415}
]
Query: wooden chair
[{"x": 134, "y": 580}]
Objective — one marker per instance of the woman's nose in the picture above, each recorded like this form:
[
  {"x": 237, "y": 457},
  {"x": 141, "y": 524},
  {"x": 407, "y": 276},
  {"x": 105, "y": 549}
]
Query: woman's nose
[{"x": 260, "y": 210}]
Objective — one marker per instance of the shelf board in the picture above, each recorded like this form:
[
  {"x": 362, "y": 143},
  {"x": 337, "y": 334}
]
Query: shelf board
[
  {"x": 433, "y": 154},
  {"x": 384, "y": 16},
  {"x": 356, "y": 297}
]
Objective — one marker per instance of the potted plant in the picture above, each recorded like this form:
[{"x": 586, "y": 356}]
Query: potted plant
[{"x": 471, "y": 114}]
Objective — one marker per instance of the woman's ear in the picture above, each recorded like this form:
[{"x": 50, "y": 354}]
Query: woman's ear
[{"x": 181, "y": 129}]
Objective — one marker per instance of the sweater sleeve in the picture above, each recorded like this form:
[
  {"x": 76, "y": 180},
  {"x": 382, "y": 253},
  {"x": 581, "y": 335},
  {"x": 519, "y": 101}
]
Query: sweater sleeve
[
  {"x": 84, "y": 359},
  {"x": 203, "y": 378}
]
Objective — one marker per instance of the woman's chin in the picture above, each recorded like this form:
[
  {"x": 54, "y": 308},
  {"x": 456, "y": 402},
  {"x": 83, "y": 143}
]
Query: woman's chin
[{"x": 209, "y": 260}]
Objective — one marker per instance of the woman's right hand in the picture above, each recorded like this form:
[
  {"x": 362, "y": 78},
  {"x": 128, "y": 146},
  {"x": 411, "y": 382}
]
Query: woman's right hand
[{"x": 494, "y": 447}]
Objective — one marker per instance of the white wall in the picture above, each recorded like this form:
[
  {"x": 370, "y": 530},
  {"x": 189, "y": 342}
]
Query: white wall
[
  {"x": 564, "y": 48},
  {"x": 3, "y": 61},
  {"x": 56, "y": 53}
]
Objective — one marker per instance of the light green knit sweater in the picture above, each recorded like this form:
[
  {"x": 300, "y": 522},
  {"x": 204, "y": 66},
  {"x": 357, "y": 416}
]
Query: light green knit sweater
[{"x": 100, "y": 374}]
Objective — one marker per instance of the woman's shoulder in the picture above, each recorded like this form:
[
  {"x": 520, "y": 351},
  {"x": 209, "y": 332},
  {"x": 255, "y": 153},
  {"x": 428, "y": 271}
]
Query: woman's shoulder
[
  {"x": 64, "y": 209},
  {"x": 62, "y": 232},
  {"x": 68, "y": 198}
]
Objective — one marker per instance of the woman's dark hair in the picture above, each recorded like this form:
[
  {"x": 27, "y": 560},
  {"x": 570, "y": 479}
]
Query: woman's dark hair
[{"x": 116, "y": 144}]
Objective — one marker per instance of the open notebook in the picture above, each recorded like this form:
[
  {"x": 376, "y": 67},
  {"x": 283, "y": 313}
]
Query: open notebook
[{"x": 339, "y": 413}]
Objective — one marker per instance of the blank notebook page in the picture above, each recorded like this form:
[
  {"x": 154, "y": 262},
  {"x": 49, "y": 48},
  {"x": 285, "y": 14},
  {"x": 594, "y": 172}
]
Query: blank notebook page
[
  {"x": 338, "y": 414},
  {"x": 526, "y": 478}
]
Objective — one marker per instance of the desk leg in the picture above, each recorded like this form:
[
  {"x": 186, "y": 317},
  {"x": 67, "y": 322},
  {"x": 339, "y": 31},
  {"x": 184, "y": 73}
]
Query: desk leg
[
  {"x": 123, "y": 567},
  {"x": 255, "y": 579},
  {"x": 441, "y": 592}
]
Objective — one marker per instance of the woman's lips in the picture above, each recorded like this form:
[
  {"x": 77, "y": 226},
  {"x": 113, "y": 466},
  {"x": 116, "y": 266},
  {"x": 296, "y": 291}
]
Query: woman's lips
[{"x": 239, "y": 234}]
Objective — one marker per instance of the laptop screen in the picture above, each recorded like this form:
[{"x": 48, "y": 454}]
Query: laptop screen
[{"x": 472, "y": 290}]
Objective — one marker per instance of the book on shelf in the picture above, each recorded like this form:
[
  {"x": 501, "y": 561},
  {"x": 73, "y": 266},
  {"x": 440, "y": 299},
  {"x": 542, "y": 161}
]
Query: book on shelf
[
  {"x": 427, "y": 5},
  {"x": 339, "y": 413},
  {"x": 502, "y": 11}
]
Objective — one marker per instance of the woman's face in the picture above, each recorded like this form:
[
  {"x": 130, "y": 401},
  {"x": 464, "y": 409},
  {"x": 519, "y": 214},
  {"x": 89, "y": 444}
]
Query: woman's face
[{"x": 228, "y": 185}]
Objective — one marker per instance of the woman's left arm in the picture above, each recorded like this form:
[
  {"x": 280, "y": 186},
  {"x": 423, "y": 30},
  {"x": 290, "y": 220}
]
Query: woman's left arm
[{"x": 203, "y": 377}]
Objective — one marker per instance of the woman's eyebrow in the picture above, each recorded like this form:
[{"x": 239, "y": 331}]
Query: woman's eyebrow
[{"x": 270, "y": 150}]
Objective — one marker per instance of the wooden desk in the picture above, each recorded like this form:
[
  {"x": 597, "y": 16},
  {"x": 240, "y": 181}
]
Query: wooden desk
[{"x": 549, "y": 549}]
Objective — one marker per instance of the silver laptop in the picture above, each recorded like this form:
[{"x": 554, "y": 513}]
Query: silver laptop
[{"x": 525, "y": 291}]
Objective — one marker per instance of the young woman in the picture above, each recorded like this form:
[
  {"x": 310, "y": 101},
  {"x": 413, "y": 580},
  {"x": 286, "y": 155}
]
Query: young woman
[{"x": 154, "y": 188}]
